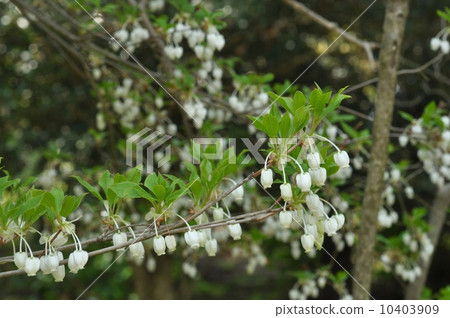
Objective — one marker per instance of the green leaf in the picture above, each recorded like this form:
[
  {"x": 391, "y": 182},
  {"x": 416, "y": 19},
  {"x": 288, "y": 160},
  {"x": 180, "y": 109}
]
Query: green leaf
[
  {"x": 317, "y": 102},
  {"x": 335, "y": 102},
  {"x": 406, "y": 116},
  {"x": 159, "y": 191},
  {"x": 151, "y": 180},
  {"x": 134, "y": 175},
  {"x": 271, "y": 125},
  {"x": 105, "y": 181},
  {"x": 257, "y": 122},
  {"x": 285, "y": 126},
  {"x": 301, "y": 118},
  {"x": 58, "y": 194},
  {"x": 299, "y": 101},
  {"x": 285, "y": 102},
  {"x": 90, "y": 188},
  {"x": 349, "y": 130},
  {"x": 275, "y": 112},
  {"x": 70, "y": 204}
]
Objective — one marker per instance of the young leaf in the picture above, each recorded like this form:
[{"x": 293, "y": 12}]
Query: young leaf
[
  {"x": 271, "y": 125},
  {"x": 90, "y": 188}
]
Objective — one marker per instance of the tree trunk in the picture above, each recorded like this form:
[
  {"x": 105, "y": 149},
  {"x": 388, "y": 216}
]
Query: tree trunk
[
  {"x": 393, "y": 29},
  {"x": 157, "y": 285},
  {"x": 438, "y": 214}
]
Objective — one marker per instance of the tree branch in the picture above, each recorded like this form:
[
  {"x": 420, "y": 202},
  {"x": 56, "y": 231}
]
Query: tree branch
[{"x": 333, "y": 26}]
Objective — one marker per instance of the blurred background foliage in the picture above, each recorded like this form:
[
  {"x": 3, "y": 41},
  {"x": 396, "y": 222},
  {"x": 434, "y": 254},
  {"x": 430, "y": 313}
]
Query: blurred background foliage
[{"x": 47, "y": 122}]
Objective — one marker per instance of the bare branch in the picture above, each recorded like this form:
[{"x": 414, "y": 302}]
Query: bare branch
[{"x": 333, "y": 26}]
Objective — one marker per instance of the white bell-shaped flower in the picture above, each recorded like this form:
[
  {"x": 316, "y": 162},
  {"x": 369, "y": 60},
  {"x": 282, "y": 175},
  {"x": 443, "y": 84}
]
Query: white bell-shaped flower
[
  {"x": 266, "y": 178},
  {"x": 312, "y": 229},
  {"x": 330, "y": 226},
  {"x": 211, "y": 247},
  {"x": 313, "y": 202},
  {"x": 341, "y": 158},
  {"x": 32, "y": 265},
  {"x": 313, "y": 159},
  {"x": 286, "y": 191},
  {"x": 235, "y": 231},
  {"x": 285, "y": 219},
  {"x": 218, "y": 214},
  {"x": 20, "y": 259},
  {"x": 307, "y": 242},
  {"x": 202, "y": 237},
  {"x": 403, "y": 140},
  {"x": 121, "y": 35},
  {"x": 43, "y": 260},
  {"x": 445, "y": 47},
  {"x": 59, "y": 273},
  {"x": 119, "y": 238},
  {"x": 159, "y": 245},
  {"x": 318, "y": 176},
  {"x": 171, "y": 243},
  {"x": 340, "y": 219},
  {"x": 303, "y": 181},
  {"x": 192, "y": 239},
  {"x": 53, "y": 262},
  {"x": 435, "y": 44},
  {"x": 137, "y": 250},
  {"x": 73, "y": 267},
  {"x": 238, "y": 193}
]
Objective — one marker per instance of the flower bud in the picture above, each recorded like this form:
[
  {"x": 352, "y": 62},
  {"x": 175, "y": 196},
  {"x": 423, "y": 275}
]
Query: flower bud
[
  {"x": 341, "y": 158},
  {"x": 286, "y": 191},
  {"x": 313, "y": 160},
  {"x": 211, "y": 247},
  {"x": 304, "y": 181},
  {"x": 235, "y": 231},
  {"x": 159, "y": 245},
  {"x": 307, "y": 242},
  {"x": 285, "y": 219},
  {"x": 171, "y": 243},
  {"x": 267, "y": 178}
]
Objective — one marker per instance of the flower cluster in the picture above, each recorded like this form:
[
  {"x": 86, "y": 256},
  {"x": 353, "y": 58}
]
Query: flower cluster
[
  {"x": 124, "y": 104},
  {"x": 314, "y": 219},
  {"x": 432, "y": 138},
  {"x": 49, "y": 263},
  {"x": 246, "y": 98},
  {"x": 130, "y": 40}
]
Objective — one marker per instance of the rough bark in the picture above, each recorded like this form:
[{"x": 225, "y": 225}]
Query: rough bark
[
  {"x": 393, "y": 29},
  {"x": 438, "y": 214}
]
